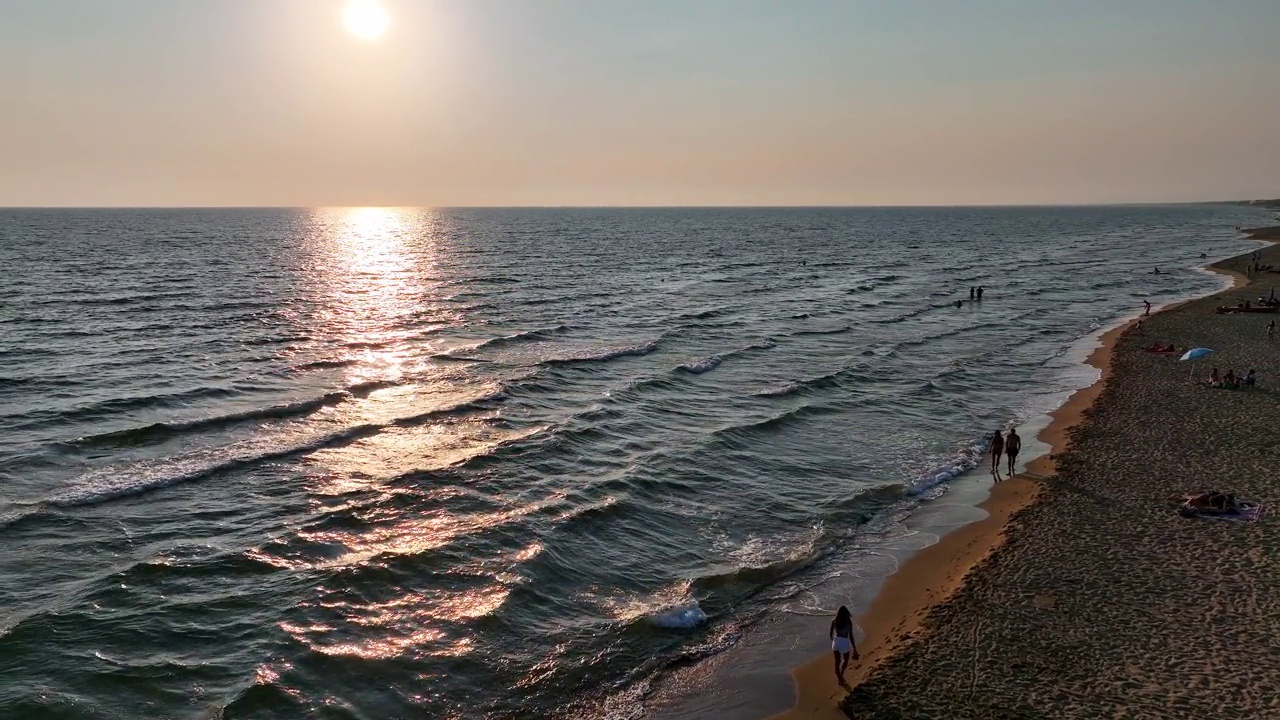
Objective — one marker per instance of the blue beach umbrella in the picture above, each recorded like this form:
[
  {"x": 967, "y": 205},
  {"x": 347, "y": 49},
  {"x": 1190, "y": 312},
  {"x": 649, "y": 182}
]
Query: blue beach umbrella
[{"x": 1194, "y": 353}]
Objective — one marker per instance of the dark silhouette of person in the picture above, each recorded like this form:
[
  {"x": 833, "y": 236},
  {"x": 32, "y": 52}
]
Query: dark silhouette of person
[
  {"x": 972, "y": 292},
  {"x": 980, "y": 291},
  {"x": 997, "y": 449},
  {"x": 842, "y": 644},
  {"x": 1012, "y": 446}
]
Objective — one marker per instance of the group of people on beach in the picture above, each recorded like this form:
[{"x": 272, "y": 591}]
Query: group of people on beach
[
  {"x": 1233, "y": 380},
  {"x": 1255, "y": 265},
  {"x": 1009, "y": 446}
]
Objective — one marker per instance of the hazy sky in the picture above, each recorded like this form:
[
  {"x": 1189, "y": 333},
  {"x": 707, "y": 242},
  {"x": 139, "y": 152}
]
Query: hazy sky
[{"x": 646, "y": 102}]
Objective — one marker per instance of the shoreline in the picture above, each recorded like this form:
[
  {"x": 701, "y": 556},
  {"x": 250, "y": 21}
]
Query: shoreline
[{"x": 938, "y": 572}]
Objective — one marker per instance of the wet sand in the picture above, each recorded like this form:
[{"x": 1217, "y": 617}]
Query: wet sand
[{"x": 1085, "y": 584}]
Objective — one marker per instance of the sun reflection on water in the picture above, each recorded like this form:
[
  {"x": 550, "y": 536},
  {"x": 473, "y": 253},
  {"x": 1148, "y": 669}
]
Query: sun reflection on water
[
  {"x": 376, "y": 307},
  {"x": 378, "y": 259}
]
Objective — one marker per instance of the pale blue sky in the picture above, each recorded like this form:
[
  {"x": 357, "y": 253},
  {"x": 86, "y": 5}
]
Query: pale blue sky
[{"x": 578, "y": 102}]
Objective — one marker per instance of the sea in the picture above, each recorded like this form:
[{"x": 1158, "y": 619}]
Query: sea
[{"x": 370, "y": 463}]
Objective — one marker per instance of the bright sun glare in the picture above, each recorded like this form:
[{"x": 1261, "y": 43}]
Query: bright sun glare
[{"x": 366, "y": 19}]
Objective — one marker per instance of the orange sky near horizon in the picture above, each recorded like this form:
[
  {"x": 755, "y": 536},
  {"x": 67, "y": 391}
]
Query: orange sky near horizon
[{"x": 557, "y": 102}]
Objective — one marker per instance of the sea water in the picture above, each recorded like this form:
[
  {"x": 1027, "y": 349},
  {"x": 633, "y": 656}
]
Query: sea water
[{"x": 379, "y": 463}]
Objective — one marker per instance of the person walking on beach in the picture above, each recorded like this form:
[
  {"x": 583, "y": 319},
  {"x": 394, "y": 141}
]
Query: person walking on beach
[
  {"x": 1148, "y": 304},
  {"x": 997, "y": 449},
  {"x": 1012, "y": 445},
  {"x": 842, "y": 640}
]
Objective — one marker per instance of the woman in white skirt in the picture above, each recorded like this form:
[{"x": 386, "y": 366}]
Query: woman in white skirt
[{"x": 842, "y": 640}]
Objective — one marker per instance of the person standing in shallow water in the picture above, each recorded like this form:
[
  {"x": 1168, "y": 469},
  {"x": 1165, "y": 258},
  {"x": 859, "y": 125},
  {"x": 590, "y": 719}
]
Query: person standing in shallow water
[
  {"x": 1012, "y": 446},
  {"x": 842, "y": 640},
  {"x": 980, "y": 291},
  {"x": 997, "y": 449}
]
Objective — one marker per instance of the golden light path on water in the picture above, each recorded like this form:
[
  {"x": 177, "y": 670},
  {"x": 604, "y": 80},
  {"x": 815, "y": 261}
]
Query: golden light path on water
[{"x": 382, "y": 297}]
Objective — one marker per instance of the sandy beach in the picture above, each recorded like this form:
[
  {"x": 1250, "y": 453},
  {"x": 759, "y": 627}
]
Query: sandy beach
[{"x": 1085, "y": 594}]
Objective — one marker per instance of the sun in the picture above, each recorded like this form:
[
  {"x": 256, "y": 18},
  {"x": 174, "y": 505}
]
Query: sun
[{"x": 366, "y": 19}]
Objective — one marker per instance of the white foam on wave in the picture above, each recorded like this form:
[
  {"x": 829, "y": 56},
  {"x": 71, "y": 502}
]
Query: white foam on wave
[
  {"x": 673, "y": 607},
  {"x": 609, "y": 353},
  {"x": 687, "y": 616},
  {"x": 712, "y": 362},
  {"x": 287, "y": 439},
  {"x": 706, "y": 364},
  {"x": 102, "y": 485},
  {"x": 933, "y": 480}
]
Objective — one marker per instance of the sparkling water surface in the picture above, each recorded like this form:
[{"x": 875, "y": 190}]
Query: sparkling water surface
[{"x": 367, "y": 463}]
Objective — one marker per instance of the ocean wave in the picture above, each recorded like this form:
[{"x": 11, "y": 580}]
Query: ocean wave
[
  {"x": 680, "y": 617},
  {"x": 277, "y": 340},
  {"x": 324, "y": 364},
  {"x": 764, "y": 568},
  {"x": 606, "y": 355},
  {"x": 112, "y": 483},
  {"x": 965, "y": 460},
  {"x": 116, "y": 482},
  {"x": 746, "y": 431},
  {"x": 519, "y": 337},
  {"x": 17, "y": 513},
  {"x": 914, "y": 313},
  {"x": 117, "y": 300},
  {"x": 637, "y": 385},
  {"x": 824, "y": 331},
  {"x": 854, "y": 373},
  {"x": 484, "y": 402},
  {"x": 488, "y": 279},
  {"x": 790, "y": 388},
  {"x": 702, "y": 314},
  {"x": 711, "y": 362},
  {"x": 114, "y": 406},
  {"x": 697, "y": 367},
  {"x": 566, "y": 299},
  {"x": 299, "y": 408}
]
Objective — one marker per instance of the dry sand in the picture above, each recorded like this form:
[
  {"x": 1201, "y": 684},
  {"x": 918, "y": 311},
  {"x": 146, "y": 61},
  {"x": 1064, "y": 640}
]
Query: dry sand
[{"x": 1098, "y": 600}]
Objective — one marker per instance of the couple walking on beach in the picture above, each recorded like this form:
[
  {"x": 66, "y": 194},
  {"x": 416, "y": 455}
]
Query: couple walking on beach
[{"x": 1009, "y": 446}]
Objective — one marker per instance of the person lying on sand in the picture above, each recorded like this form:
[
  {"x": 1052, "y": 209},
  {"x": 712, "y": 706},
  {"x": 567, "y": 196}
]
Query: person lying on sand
[{"x": 1213, "y": 502}]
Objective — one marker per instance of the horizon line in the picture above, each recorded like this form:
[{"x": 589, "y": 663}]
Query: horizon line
[{"x": 1255, "y": 202}]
